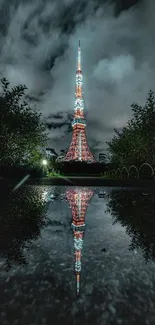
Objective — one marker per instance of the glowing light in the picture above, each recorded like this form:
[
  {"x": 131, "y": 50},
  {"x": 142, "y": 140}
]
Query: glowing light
[
  {"x": 78, "y": 149},
  {"x": 79, "y": 104},
  {"x": 44, "y": 162},
  {"x": 79, "y": 79}
]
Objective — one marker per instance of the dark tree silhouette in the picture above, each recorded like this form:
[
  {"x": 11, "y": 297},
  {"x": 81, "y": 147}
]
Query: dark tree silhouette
[
  {"x": 21, "y": 131},
  {"x": 134, "y": 144},
  {"x": 136, "y": 212},
  {"x": 21, "y": 218}
]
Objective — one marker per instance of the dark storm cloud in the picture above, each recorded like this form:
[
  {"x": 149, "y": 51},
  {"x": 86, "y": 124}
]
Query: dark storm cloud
[
  {"x": 60, "y": 125},
  {"x": 39, "y": 48}
]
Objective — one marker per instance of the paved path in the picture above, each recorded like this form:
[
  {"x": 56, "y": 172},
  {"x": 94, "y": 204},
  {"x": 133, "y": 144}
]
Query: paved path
[{"x": 93, "y": 181}]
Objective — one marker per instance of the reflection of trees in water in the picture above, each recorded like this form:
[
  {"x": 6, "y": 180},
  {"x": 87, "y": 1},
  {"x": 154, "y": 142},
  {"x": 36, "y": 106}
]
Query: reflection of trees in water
[
  {"x": 135, "y": 211},
  {"x": 21, "y": 219}
]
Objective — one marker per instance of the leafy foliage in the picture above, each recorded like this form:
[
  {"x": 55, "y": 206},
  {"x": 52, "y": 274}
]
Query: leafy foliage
[
  {"x": 21, "y": 131},
  {"x": 135, "y": 144}
]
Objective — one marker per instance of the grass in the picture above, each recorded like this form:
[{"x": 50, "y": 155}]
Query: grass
[
  {"x": 108, "y": 176},
  {"x": 54, "y": 174}
]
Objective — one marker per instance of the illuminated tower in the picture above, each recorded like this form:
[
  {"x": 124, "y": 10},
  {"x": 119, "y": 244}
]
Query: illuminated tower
[
  {"x": 79, "y": 149},
  {"x": 78, "y": 200}
]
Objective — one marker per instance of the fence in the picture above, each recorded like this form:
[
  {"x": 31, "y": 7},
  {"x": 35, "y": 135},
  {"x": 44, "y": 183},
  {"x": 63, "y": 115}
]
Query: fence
[{"x": 143, "y": 172}]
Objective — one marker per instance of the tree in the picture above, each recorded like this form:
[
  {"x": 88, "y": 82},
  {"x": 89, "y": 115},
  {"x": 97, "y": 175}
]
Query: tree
[
  {"x": 135, "y": 143},
  {"x": 22, "y": 132},
  {"x": 102, "y": 158},
  {"x": 62, "y": 152}
]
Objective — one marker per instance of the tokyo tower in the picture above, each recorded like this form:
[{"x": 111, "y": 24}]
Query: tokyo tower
[
  {"x": 79, "y": 149},
  {"x": 78, "y": 200}
]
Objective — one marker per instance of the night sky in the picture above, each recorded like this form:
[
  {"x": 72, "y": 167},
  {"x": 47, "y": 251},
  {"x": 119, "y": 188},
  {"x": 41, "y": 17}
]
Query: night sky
[{"x": 39, "y": 41}]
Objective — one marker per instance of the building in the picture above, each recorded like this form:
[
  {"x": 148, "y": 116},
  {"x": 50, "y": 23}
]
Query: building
[
  {"x": 79, "y": 149},
  {"x": 60, "y": 158},
  {"x": 102, "y": 158},
  {"x": 50, "y": 153}
]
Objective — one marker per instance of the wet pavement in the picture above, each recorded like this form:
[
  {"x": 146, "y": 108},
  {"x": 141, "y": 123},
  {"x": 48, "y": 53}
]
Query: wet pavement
[{"x": 77, "y": 255}]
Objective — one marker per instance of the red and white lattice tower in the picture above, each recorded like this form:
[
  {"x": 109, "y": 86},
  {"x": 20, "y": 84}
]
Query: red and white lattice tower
[
  {"x": 78, "y": 200},
  {"x": 79, "y": 149}
]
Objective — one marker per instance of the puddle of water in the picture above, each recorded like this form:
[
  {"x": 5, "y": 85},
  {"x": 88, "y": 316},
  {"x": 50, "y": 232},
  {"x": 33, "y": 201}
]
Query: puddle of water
[{"x": 77, "y": 255}]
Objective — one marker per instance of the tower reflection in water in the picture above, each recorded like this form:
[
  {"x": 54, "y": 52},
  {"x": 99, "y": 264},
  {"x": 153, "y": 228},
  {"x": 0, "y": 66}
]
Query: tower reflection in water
[{"x": 78, "y": 199}]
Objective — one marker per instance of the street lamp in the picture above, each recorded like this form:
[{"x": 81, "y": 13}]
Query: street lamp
[{"x": 44, "y": 164}]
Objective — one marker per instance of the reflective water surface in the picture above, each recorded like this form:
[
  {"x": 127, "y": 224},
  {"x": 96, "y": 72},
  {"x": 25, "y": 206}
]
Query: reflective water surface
[{"x": 75, "y": 255}]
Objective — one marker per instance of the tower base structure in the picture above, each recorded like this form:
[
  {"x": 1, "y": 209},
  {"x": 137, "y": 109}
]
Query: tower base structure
[{"x": 79, "y": 150}]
